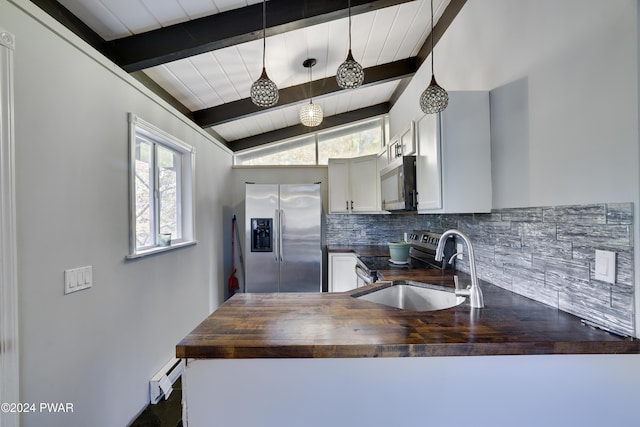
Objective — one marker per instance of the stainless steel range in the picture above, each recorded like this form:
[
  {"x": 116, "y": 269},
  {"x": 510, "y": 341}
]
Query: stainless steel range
[{"x": 422, "y": 256}]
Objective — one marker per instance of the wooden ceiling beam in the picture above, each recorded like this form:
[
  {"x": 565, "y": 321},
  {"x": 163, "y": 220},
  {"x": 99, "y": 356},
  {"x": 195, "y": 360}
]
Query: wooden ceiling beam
[
  {"x": 449, "y": 14},
  {"x": 229, "y": 28},
  {"x": 298, "y": 130},
  {"x": 245, "y": 108}
]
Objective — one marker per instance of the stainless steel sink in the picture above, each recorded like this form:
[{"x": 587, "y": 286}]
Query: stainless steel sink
[{"x": 412, "y": 296}]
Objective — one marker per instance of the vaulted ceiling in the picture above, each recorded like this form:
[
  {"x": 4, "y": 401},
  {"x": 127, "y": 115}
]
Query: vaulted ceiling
[{"x": 203, "y": 55}]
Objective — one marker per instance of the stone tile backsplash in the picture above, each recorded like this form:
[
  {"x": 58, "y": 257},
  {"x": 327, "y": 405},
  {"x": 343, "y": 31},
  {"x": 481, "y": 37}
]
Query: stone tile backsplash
[{"x": 544, "y": 253}]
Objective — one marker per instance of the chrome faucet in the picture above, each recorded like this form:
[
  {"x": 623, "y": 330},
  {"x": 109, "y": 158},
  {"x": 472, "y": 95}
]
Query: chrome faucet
[{"x": 473, "y": 292}]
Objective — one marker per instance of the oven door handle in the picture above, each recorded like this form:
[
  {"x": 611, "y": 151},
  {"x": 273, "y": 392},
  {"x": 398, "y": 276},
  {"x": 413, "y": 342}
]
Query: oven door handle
[{"x": 362, "y": 274}]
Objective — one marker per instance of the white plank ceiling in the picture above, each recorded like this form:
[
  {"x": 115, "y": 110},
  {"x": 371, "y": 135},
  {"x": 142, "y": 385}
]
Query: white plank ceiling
[{"x": 225, "y": 75}]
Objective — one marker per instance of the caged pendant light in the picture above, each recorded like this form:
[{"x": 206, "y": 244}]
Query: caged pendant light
[
  {"x": 434, "y": 99},
  {"x": 264, "y": 92},
  {"x": 310, "y": 114},
  {"x": 350, "y": 74}
]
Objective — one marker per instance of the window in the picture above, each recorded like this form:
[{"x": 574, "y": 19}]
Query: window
[
  {"x": 297, "y": 152},
  {"x": 161, "y": 186},
  {"x": 353, "y": 140}
]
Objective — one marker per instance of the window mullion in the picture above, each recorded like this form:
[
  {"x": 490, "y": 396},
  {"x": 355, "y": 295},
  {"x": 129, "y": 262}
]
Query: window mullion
[
  {"x": 179, "y": 196},
  {"x": 156, "y": 195}
]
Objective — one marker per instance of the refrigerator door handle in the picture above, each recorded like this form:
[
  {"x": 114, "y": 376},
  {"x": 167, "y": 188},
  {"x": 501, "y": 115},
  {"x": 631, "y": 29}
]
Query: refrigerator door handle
[
  {"x": 276, "y": 233},
  {"x": 280, "y": 233}
]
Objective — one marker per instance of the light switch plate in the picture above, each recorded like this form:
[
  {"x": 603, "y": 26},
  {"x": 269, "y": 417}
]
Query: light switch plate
[
  {"x": 605, "y": 269},
  {"x": 77, "y": 279},
  {"x": 459, "y": 249}
]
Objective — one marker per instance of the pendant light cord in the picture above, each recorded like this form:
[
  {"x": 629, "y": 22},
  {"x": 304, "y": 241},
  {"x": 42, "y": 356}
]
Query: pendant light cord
[
  {"x": 310, "y": 85},
  {"x": 432, "y": 53},
  {"x": 350, "y": 24},
  {"x": 264, "y": 32}
]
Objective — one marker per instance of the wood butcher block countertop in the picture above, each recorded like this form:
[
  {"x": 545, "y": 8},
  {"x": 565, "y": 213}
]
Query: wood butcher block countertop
[{"x": 337, "y": 325}]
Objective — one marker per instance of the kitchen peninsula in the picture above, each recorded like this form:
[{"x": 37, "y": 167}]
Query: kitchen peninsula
[{"x": 331, "y": 359}]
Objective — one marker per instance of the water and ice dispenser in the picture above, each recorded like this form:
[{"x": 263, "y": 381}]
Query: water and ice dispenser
[{"x": 261, "y": 234}]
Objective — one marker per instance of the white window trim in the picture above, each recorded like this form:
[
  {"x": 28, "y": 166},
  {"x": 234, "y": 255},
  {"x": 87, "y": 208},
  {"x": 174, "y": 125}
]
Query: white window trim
[{"x": 137, "y": 125}]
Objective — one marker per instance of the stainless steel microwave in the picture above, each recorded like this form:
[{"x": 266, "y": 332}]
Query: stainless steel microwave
[{"x": 398, "y": 185}]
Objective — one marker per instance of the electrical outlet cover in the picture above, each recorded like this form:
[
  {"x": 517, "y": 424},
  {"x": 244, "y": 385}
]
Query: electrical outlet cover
[{"x": 605, "y": 268}]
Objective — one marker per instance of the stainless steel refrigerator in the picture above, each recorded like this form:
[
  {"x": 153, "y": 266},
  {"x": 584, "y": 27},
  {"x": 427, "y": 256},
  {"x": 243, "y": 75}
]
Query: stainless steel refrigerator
[{"x": 283, "y": 226}]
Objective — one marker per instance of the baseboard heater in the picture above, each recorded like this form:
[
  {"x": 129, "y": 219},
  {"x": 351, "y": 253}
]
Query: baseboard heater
[{"x": 162, "y": 382}]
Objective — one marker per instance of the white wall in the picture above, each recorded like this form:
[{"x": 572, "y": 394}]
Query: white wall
[
  {"x": 636, "y": 232},
  {"x": 97, "y": 348},
  {"x": 563, "y": 77},
  {"x": 499, "y": 391},
  {"x": 571, "y": 68}
]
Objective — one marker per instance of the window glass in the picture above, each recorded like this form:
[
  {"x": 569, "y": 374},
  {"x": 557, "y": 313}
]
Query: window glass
[
  {"x": 358, "y": 139},
  {"x": 168, "y": 184},
  {"x": 352, "y": 141},
  {"x": 143, "y": 180},
  {"x": 297, "y": 152}
]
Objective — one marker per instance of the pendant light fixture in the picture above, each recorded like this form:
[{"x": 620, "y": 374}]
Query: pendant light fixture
[
  {"x": 310, "y": 114},
  {"x": 264, "y": 92},
  {"x": 350, "y": 74},
  {"x": 434, "y": 99}
]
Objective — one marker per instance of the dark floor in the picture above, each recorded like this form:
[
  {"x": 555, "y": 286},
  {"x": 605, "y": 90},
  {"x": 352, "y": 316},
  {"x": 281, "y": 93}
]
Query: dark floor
[{"x": 166, "y": 413}]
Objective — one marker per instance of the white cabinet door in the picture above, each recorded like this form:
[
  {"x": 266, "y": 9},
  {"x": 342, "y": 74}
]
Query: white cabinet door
[
  {"x": 466, "y": 153},
  {"x": 394, "y": 151},
  {"x": 342, "y": 272},
  {"x": 339, "y": 186},
  {"x": 428, "y": 166},
  {"x": 383, "y": 159},
  {"x": 354, "y": 185},
  {"x": 454, "y": 156},
  {"x": 407, "y": 140},
  {"x": 365, "y": 190},
  {"x": 403, "y": 144}
]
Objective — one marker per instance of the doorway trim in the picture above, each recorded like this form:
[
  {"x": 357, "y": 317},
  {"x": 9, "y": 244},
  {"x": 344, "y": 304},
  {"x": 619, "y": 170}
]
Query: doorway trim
[{"x": 9, "y": 343}]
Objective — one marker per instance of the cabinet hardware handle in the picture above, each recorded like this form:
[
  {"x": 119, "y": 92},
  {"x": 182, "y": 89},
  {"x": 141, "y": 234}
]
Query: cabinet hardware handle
[
  {"x": 347, "y": 206},
  {"x": 352, "y": 205}
]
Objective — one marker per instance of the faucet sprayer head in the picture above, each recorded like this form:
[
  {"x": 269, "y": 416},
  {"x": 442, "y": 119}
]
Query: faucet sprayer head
[{"x": 440, "y": 248}]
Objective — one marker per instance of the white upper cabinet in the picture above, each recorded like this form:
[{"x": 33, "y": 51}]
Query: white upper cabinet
[
  {"x": 453, "y": 164},
  {"x": 354, "y": 185},
  {"x": 403, "y": 144}
]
